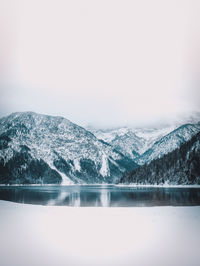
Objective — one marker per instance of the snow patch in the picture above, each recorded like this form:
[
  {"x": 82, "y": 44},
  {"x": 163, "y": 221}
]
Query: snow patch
[
  {"x": 104, "y": 171},
  {"x": 65, "y": 179},
  {"x": 77, "y": 165}
]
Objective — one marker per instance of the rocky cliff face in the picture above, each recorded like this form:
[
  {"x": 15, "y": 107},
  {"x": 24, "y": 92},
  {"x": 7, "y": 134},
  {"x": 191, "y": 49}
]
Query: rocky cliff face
[{"x": 45, "y": 149}]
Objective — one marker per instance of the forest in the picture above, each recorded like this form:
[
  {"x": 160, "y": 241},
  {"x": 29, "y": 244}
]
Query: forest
[{"x": 179, "y": 167}]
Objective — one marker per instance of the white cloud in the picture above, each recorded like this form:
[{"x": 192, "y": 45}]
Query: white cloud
[{"x": 102, "y": 62}]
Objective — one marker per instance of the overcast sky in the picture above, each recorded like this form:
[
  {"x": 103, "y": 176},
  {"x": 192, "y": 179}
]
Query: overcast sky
[{"x": 104, "y": 63}]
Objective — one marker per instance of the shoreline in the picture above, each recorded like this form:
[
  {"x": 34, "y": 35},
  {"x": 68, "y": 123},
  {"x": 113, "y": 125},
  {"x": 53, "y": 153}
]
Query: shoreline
[{"x": 102, "y": 185}]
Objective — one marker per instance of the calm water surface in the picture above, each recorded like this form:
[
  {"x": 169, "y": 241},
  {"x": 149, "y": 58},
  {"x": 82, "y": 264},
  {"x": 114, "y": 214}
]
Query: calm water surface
[{"x": 101, "y": 195}]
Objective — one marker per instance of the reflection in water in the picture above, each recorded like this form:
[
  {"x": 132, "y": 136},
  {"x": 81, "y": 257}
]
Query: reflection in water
[
  {"x": 71, "y": 199},
  {"x": 61, "y": 197},
  {"x": 104, "y": 196},
  {"x": 76, "y": 200}
]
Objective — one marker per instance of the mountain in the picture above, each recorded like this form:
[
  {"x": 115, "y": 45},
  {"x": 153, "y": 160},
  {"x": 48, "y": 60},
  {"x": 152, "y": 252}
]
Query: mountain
[
  {"x": 146, "y": 144},
  {"x": 38, "y": 148},
  {"x": 181, "y": 166},
  {"x": 132, "y": 142},
  {"x": 168, "y": 143}
]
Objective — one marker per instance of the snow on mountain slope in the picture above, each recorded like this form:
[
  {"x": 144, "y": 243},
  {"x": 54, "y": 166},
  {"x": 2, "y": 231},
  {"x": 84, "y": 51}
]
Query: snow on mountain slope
[
  {"x": 108, "y": 135},
  {"x": 45, "y": 149},
  {"x": 169, "y": 143},
  {"x": 132, "y": 142},
  {"x": 146, "y": 144},
  {"x": 178, "y": 167},
  {"x": 151, "y": 135}
]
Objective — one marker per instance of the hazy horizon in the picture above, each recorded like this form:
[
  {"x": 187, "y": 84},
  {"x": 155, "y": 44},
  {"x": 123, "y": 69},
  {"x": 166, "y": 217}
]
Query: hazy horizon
[
  {"x": 193, "y": 117},
  {"x": 101, "y": 63}
]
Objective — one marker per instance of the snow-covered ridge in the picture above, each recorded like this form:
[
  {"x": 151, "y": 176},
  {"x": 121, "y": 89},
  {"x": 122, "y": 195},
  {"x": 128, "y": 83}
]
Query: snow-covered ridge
[
  {"x": 178, "y": 167},
  {"x": 169, "y": 142},
  {"x": 69, "y": 150},
  {"x": 145, "y": 144},
  {"x": 55, "y": 150},
  {"x": 132, "y": 141}
]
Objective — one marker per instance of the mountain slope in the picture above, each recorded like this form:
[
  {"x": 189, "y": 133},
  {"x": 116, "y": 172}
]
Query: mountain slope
[
  {"x": 169, "y": 143},
  {"x": 146, "y": 144},
  {"x": 181, "y": 166},
  {"x": 45, "y": 149},
  {"x": 132, "y": 142}
]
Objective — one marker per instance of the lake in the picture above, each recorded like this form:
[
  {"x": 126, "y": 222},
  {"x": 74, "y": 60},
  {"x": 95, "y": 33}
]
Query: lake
[{"x": 102, "y": 195}]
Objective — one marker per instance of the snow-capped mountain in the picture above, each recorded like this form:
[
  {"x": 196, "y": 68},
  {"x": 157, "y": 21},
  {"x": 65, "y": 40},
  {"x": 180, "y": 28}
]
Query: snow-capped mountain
[
  {"x": 169, "y": 143},
  {"x": 179, "y": 167},
  {"x": 132, "y": 142},
  {"x": 45, "y": 149},
  {"x": 147, "y": 143}
]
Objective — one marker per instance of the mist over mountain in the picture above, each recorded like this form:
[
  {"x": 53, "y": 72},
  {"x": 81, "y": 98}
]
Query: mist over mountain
[{"x": 172, "y": 121}]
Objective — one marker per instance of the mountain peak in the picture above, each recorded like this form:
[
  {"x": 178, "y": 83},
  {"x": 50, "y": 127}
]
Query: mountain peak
[{"x": 56, "y": 144}]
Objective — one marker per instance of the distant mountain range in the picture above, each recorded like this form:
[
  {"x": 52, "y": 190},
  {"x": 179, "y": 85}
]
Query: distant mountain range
[
  {"x": 168, "y": 143},
  {"x": 45, "y": 149},
  {"x": 146, "y": 144},
  {"x": 179, "y": 167},
  {"x": 130, "y": 141}
]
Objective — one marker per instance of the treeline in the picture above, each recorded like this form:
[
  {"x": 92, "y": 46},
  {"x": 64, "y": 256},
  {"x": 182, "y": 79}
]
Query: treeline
[{"x": 181, "y": 166}]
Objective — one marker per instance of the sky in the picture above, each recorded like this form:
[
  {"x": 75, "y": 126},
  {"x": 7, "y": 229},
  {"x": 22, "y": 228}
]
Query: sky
[{"x": 101, "y": 63}]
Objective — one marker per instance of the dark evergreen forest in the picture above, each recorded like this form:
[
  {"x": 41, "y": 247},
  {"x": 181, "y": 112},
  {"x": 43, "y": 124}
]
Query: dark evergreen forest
[{"x": 181, "y": 166}]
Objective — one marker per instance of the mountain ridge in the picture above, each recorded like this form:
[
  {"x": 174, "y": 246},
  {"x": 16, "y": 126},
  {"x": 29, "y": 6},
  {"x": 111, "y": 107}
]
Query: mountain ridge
[
  {"x": 74, "y": 153},
  {"x": 169, "y": 142},
  {"x": 37, "y": 148},
  {"x": 179, "y": 167},
  {"x": 145, "y": 145}
]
